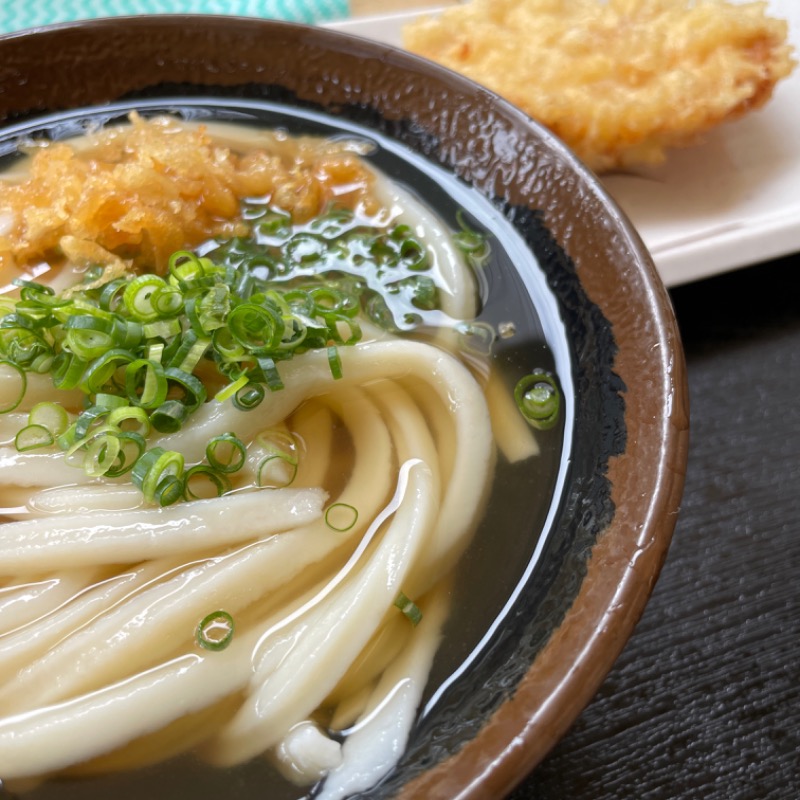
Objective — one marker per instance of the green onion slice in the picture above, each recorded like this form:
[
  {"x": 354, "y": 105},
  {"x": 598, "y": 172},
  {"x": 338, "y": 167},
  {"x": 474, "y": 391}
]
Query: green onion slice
[
  {"x": 341, "y": 517},
  {"x": 276, "y": 471},
  {"x": 226, "y": 453},
  {"x": 91, "y": 418},
  {"x": 409, "y": 608},
  {"x": 88, "y": 336},
  {"x": 257, "y": 328},
  {"x": 67, "y": 370},
  {"x": 161, "y": 329},
  {"x": 335, "y": 362},
  {"x": 102, "y": 371},
  {"x": 203, "y": 481},
  {"x": 270, "y": 372},
  {"x": 109, "y": 401},
  {"x": 111, "y": 296},
  {"x": 215, "y": 631},
  {"x": 101, "y": 453},
  {"x": 167, "y": 301},
  {"x": 538, "y": 398},
  {"x": 97, "y": 453},
  {"x": 139, "y": 295},
  {"x": 131, "y": 447},
  {"x": 153, "y": 467},
  {"x": 130, "y": 419},
  {"x": 49, "y": 415},
  {"x": 169, "y": 416},
  {"x": 192, "y": 388},
  {"x": 190, "y": 350},
  {"x": 231, "y": 389},
  {"x": 249, "y": 397},
  {"x": 472, "y": 243},
  {"x": 32, "y": 437},
  {"x": 169, "y": 490},
  {"x": 146, "y": 383}
]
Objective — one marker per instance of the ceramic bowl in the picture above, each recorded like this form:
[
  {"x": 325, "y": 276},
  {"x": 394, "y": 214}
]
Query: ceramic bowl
[{"x": 582, "y": 579}]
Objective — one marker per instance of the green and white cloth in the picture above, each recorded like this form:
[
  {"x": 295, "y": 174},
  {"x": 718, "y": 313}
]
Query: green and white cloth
[{"x": 18, "y": 15}]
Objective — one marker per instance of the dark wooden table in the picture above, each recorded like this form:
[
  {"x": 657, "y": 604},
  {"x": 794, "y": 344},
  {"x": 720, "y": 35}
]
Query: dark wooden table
[{"x": 705, "y": 700}]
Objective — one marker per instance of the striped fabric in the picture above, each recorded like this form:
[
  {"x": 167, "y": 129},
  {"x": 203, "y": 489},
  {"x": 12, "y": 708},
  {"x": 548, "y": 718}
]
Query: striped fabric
[{"x": 17, "y": 15}]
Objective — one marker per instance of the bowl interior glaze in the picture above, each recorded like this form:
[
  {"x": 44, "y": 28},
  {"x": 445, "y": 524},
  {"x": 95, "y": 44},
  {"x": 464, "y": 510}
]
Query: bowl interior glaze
[{"x": 570, "y": 614}]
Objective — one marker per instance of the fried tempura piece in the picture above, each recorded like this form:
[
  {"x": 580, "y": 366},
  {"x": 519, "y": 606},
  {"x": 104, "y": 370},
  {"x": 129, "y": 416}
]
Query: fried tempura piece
[
  {"x": 621, "y": 80},
  {"x": 144, "y": 190}
]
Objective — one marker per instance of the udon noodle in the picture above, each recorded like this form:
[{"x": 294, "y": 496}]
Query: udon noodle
[{"x": 322, "y": 570}]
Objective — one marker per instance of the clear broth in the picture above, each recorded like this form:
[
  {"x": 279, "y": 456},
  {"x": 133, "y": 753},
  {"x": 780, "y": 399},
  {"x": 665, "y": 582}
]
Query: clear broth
[{"x": 503, "y": 555}]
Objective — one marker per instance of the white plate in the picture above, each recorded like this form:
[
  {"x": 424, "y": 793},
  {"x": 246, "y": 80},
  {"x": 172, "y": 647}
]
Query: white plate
[{"x": 732, "y": 201}]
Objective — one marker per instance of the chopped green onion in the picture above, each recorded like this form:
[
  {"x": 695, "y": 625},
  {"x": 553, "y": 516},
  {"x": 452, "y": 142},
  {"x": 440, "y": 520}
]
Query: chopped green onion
[
  {"x": 68, "y": 370},
  {"x": 67, "y": 439},
  {"x": 184, "y": 266},
  {"x": 202, "y": 476},
  {"x": 133, "y": 418},
  {"x": 146, "y": 349},
  {"x": 211, "y": 310},
  {"x": 146, "y": 383},
  {"x": 257, "y": 328},
  {"x": 131, "y": 447},
  {"x": 270, "y": 372},
  {"x": 167, "y": 301},
  {"x": 225, "y": 346},
  {"x": 97, "y": 453},
  {"x": 409, "y": 608},
  {"x": 153, "y": 467},
  {"x": 191, "y": 350},
  {"x": 139, "y": 294},
  {"x": 102, "y": 370},
  {"x": 169, "y": 416},
  {"x": 276, "y": 471},
  {"x": 161, "y": 329},
  {"x": 169, "y": 490},
  {"x": 215, "y": 631},
  {"x": 473, "y": 244},
  {"x": 15, "y": 384},
  {"x": 111, "y": 296},
  {"x": 101, "y": 453},
  {"x": 342, "y": 329},
  {"x": 32, "y": 437},
  {"x": 329, "y": 298},
  {"x": 193, "y": 389},
  {"x": 109, "y": 401},
  {"x": 228, "y": 391},
  {"x": 341, "y": 517},
  {"x": 88, "y": 418},
  {"x": 226, "y": 453},
  {"x": 88, "y": 336},
  {"x": 335, "y": 362},
  {"x": 49, "y": 415},
  {"x": 538, "y": 398},
  {"x": 249, "y": 396}
]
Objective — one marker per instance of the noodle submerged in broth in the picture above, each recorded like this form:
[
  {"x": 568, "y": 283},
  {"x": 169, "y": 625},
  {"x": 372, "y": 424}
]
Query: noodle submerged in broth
[{"x": 244, "y": 445}]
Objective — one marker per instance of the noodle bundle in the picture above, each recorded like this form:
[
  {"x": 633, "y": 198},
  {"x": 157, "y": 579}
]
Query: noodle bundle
[{"x": 307, "y": 599}]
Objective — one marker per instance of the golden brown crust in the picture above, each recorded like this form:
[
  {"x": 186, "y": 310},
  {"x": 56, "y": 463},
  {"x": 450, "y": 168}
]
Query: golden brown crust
[
  {"x": 146, "y": 190},
  {"x": 619, "y": 81}
]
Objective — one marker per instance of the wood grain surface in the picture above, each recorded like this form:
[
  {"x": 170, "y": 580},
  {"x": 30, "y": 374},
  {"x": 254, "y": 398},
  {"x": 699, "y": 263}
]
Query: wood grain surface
[{"x": 705, "y": 700}]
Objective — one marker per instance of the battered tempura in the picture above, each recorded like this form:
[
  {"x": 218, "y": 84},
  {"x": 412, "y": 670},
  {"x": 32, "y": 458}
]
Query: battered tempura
[{"x": 621, "y": 80}]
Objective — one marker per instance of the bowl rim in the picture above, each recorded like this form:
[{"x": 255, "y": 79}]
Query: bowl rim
[{"x": 628, "y": 556}]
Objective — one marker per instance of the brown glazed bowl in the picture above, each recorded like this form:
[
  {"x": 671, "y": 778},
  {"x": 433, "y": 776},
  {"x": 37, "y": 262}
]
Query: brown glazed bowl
[{"x": 569, "y": 614}]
